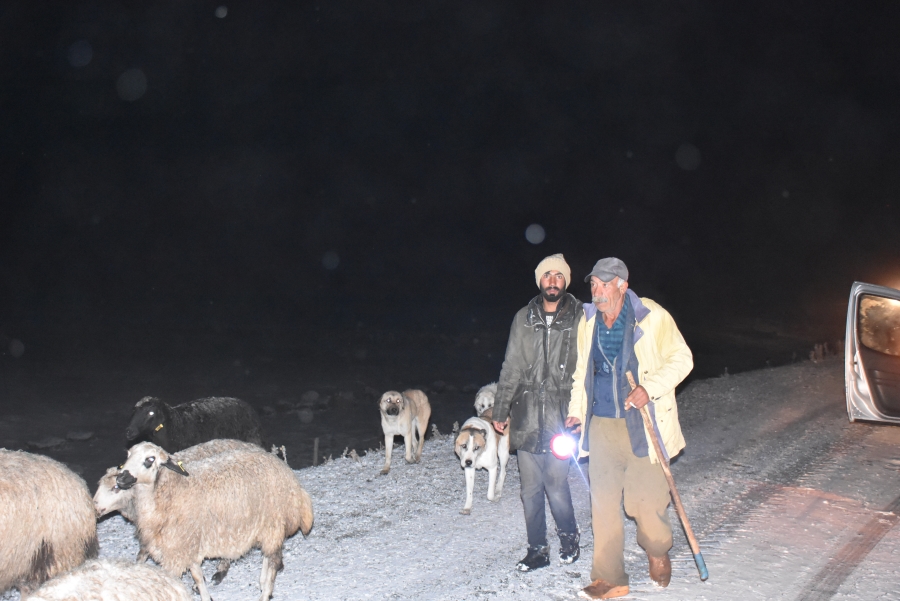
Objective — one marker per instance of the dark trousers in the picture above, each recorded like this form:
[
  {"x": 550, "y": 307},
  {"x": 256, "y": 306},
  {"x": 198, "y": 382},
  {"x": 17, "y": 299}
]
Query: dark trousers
[{"x": 542, "y": 474}]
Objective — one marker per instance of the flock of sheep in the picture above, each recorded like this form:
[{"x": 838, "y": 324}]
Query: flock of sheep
[{"x": 189, "y": 501}]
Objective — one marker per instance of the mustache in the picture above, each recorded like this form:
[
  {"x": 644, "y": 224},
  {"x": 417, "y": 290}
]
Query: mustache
[{"x": 599, "y": 299}]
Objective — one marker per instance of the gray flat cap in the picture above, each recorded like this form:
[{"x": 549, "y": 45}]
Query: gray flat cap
[{"x": 607, "y": 269}]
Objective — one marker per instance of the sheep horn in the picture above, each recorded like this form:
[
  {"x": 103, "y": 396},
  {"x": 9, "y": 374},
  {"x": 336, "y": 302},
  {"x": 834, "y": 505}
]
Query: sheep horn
[{"x": 175, "y": 467}]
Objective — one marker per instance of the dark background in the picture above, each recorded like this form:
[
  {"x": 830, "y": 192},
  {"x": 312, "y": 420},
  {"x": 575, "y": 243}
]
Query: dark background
[{"x": 342, "y": 189}]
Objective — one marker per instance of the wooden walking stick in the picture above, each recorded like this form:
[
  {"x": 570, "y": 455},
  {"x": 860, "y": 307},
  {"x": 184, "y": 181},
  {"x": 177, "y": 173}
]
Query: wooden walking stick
[{"x": 664, "y": 462}]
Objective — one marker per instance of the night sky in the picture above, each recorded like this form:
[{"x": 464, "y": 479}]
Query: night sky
[{"x": 326, "y": 165}]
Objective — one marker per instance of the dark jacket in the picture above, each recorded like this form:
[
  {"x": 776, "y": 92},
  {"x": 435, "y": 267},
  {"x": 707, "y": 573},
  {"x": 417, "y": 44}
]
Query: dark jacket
[{"x": 536, "y": 379}]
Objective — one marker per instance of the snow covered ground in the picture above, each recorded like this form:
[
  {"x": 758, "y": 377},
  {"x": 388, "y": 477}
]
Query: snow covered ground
[{"x": 789, "y": 500}]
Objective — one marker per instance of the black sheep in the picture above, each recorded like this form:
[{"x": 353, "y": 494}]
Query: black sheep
[{"x": 176, "y": 428}]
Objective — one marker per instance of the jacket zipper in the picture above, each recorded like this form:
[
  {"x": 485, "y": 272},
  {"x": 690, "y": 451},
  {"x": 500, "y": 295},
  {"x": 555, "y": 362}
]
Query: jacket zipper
[
  {"x": 547, "y": 369},
  {"x": 615, "y": 387},
  {"x": 543, "y": 390}
]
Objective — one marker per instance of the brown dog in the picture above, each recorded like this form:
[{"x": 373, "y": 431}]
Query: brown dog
[{"x": 405, "y": 415}]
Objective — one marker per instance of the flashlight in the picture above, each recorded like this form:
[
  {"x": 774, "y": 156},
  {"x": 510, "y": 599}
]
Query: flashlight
[{"x": 563, "y": 445}]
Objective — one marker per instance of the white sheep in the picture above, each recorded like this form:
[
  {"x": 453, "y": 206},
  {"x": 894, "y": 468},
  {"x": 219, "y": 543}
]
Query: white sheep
[
  {"x": 222, "y": 506},
  {"x": 109, "y": 497},
  {"x": 47, "y": 523},
  {"x": 112, "y": 580}
]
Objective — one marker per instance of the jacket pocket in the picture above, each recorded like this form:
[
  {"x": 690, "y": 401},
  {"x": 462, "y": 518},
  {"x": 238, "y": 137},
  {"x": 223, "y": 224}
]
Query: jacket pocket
[{"x": 518, "y": 409}]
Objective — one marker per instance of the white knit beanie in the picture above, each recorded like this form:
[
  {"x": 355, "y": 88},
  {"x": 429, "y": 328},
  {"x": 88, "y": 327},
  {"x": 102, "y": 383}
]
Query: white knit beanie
[{"x": 553, "y": 262}]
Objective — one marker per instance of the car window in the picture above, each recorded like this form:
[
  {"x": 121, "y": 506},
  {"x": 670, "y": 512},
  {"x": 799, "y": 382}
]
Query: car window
[
  {"x": 879, "y": 324},
  {"x": 872, "y": 353}
]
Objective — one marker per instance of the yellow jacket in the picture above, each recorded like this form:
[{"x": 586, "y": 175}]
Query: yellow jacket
[{"x": 664, "y": 358}]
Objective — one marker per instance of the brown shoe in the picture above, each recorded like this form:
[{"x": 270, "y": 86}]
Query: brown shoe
[
  {"x": 660, "y": 569},
  {"x": 601, "y": 589}
]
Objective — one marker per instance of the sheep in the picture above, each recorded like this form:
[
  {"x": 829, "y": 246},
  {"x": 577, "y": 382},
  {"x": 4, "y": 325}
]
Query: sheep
[
  {"x": 112, "y": 580},
  {"x": 110, "y": 497},
  {"x": 222, "y": 506},
  {"x": 47, "y": 523},
  {"x": 176, "y": 428}
]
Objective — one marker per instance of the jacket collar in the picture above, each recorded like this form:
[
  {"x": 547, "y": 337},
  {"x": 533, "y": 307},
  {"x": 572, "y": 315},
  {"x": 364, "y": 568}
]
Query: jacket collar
[
  {"x": 640, "y": 310},
  {"x": 565, "y": 315}
]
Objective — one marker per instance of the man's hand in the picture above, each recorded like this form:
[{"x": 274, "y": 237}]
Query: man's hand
[
  {"x": 571, "y": 422},
  {"x": 501, "y": 426},
  {"x": 637, "y": 399}
]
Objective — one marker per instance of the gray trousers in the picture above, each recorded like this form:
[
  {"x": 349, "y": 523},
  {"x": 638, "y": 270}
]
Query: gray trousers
[
  {"x": 543, "y": 474},
  {"x": 617, "y": 474}
]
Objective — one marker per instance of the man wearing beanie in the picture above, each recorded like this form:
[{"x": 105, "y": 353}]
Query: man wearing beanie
[
  {"x": 630, "y": 355},
  {"x": 533, "y": 400}
]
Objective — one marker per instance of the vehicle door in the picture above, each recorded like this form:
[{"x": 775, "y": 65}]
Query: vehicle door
[{"x": 872, "y": 353}]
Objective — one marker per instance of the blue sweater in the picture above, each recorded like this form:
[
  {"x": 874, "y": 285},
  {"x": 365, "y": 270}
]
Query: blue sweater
[{"x": 607, "y": 347}]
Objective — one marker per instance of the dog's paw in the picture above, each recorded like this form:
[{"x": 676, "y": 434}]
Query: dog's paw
[
  {"x": 385, "y": 470},
  {"x": 465, "y": 511}
]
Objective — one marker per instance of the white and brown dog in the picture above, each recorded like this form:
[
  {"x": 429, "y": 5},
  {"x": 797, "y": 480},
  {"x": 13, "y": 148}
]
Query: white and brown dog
[
  {"x": 480, "y": 447},
  {"x": 405, "y": 415}
]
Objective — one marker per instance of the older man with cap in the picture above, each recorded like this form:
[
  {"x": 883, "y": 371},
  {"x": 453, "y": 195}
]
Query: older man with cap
[
  {"x": 630, "y": 354},
  {"x": 533, "y": 401}
]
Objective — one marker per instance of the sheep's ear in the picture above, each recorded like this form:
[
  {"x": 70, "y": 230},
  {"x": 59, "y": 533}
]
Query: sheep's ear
[{"x": 175, "y": 467}]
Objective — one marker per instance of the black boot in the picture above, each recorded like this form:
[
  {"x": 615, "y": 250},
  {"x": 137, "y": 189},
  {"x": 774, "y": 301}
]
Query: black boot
[
  {"x": 537, "y": 557},
  {"x": 569, "y": 550}
]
